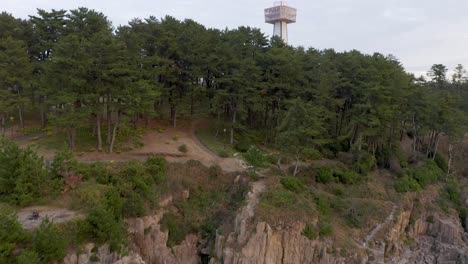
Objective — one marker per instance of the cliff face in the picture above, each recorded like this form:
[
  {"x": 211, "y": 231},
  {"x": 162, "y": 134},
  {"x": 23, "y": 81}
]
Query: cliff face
[
  {"x": 147, "y": 244},
  {"x": 411, "y": 234}
]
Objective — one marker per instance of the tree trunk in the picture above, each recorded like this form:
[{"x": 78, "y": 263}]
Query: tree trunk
[
  {"x": 43, "y": 113},
  {"x": 114, "y": 133},
  {"x": 174, "y": 116},
  {"x": 3, "y": 124},
  {"x": 234, "y": 116},
  {"x": 449, "y": 163},
  {"x": 20, "y": 114},
  {"x": 278, "y": 163},
  {"x": 109, "y": 119},
  {"x": 296, "y": 167},
  {"x": 98, "y": 128},
  {"x": 71, "y": 132},
  {"x": 436, "y": 146}
]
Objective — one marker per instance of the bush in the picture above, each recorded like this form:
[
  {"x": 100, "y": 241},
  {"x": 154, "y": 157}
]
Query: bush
[
  {"x": 255, "y": 157},
  {"x": 322, "y": 206},
  {"x": 103, "y": 226},
  {"x": 156, "y": 167},
  {"x": 364, "y": 164},
  {"x": 28, "y": 257},
  {"x": 311, "y": 154},
  {"x": 441, "y": 162},
  {"x": 23, "y": 177},
  {"x": 134, "y": 206},
  {"x": 223, "y": 153},
  {"x": 11, "y": 233},
  {"x": 183, "y": 148},
  {"x": 310, "y": 232},
  {"x": 407, "y": 184},
  {"x": 91, "y": 195},
  {"x": 49, "y": 243},
  {"x": 325, "y": 229},
  {"x": 347, "y": 176},
  {"x": 293, "y": 184},
  {"x": 176, "y": 227},
  {"x": 242, "y": 146},
  {"x": 426, "y": 174},
  {"x": 325, "y": 175},
  {"x": 280, "y": 198}
]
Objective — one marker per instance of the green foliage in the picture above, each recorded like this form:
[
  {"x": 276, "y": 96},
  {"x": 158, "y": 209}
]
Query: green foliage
[
  {"x": 49, "y": 243},
  {"x": 364, "y": 164},
  {"x": 338, "y": 174},
  {"x": 183, "y": 148},
  {"x": 134, "y": 206},
  {"x": 311, "y": 154},
  {"x": 280, "y": 198},
  {"x": 417, "y": 178},
  {"x": 325, "y": 229},
  {"x": 243, "y": 146},
  {"x": 323, "y": 206},
  {"x": 104, "y": 226},
  {"x": 11, "y": 233},
  {"x": 310, "y": 232},
  {"x": 176, "y": 227},
  {"x": 441, "y": 162},
  {"x": 293, "y": 184},
  {"x": 255, "y": 157},
  {"x": 28, "y": 257},
  {"x": 156, "y": 167},
  {"x": 23, "y": 178},
  {"x": 407, "y": 184},
  {"x": 223, "y": 154},
  {"x": 325, "y": 175}
]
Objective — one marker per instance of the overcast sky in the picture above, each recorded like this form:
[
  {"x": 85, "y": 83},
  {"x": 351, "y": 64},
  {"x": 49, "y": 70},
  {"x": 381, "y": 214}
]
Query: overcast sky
[{"x": 418, "y": 32}]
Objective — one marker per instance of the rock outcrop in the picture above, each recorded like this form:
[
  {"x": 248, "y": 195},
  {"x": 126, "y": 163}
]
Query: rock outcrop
[{"x": 147, "y": 245}]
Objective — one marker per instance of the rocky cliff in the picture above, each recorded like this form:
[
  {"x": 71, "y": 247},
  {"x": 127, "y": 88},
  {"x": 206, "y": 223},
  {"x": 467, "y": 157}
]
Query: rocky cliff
[{"x": 410, "y": 234}]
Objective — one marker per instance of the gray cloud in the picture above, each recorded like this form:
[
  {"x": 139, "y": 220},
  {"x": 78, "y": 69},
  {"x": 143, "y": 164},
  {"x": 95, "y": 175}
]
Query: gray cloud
[{"x": 418, "y": 32}]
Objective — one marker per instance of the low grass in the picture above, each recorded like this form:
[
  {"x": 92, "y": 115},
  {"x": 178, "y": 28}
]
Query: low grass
[{"x": 218, "y": 144}]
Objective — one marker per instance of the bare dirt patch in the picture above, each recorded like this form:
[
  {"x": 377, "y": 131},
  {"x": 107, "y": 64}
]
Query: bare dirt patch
[{"x": 56, "y": 215}]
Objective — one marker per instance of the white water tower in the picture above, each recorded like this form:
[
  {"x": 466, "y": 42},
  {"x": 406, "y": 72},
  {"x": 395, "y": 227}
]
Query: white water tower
[{"x": 280, "y": 15}]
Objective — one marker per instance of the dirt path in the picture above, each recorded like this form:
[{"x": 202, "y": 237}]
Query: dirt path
[
  {"x": 56, "y": 215},
  {"x": 379, "y": 227},
  {"x": 165, "y": 143}
]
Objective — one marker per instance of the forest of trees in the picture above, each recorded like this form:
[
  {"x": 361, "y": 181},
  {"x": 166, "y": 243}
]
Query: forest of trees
[{"x": 72, "y": 69}]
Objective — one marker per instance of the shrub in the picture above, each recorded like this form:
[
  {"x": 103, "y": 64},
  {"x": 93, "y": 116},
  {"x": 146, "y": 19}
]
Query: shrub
[
  {"x": 280, "y": 198},
  {"x": 223, "y": 153},
  {"x": 91, "y": 195},
  {"x": 28, "y": 257},
  {"x": 311, "y": 154},
  {"x": 407, "y": 184},
  {"x": 426, "y": 174},
  {"x": 322, "y": 206},
  {"x": 49, "y": 243},
  {"x": 325, "y": 175},
  {"x": 255, "y": 157},
  {"x": 11, "y": 233},
  {"x": 134, "y": 206},
  {"x": 242, "y": 146},
  {"x": 23, "y": 177},
  {"x": 176, "y": 227},
  {"x": 310, "y": 232},
  {"x": 441, "y": 162},
  {"x": 183, "y": 148},
  {"x": 293, "y": 184},
  {"x": 325, "y": 229},
  {"x": 347, "y": 176},
  {"x": 364, "y": 164},
  {"x": 156, "y": 167},
  {"x": 103, "y": 226}
]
